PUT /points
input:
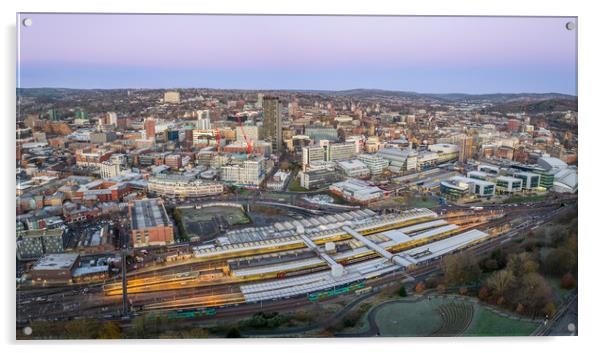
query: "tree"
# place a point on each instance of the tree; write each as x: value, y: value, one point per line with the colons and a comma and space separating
x: 483, y: 293
x: 533, y: 292
x: 420, y: 287
x: 110, y: 330
x: 522, y: 264
x: 568, y: 281
x: 549, y: 309
x: 461, y: 269
x: 233, y: 333
x: 441, y: 289
x: 560, y: 261
x: 402, y: 291
x: 489, y: 265
x: 82, y: 329
x: 500, y: 282
x: 195, y: 332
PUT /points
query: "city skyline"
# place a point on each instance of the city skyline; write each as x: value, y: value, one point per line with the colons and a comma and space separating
x: 462, y: 54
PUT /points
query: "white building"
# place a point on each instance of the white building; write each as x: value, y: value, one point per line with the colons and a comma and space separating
x: 507, y: 184
x: 248, y: 173
x: 375, y: 163
x: 203, y: 119
x: 112, y: 118
x: 354, y: 168
x: 530, y: 180
x: 341, y: 151
x: 109, y: 169
x: 400, y: 160
x: 312, y: 154
x: 182, y: 186
x: 278, y: 180
x: 359, y: 191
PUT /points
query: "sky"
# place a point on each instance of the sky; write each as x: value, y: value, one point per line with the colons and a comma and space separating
x: 421, y: 54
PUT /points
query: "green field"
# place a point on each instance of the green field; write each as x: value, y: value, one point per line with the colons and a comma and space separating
x: 524, y: 198
x: 295, y: 186
x: 488, y: 323
x: 416, y: 202
x: 409, y: 319
x: 422, y: 318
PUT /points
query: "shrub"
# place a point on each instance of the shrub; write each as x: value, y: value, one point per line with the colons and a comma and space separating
x: 568, y: 281
x: 233, y: 333
x: 420, y: 287
x: 402, y: 291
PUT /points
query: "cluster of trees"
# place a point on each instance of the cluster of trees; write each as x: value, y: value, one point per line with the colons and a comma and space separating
x: 520, y: 286
x: 265, y: 320
x: 518, y: 281
x: 75, y: 329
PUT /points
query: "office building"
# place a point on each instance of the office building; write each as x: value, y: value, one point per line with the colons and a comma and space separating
x: 248, y: 173
x: 375, y: 163
x: 340, y: 151
x: 357, y: 191
x: 32, y: 244
x: 55, y: 268
x: 459, y: 186
x: 530, y: 180
x: 311, y: 154
x: 318, y: 178
x: 317, y: 133
x: 400, y: 160
x: 272, y: 122
x: 354, y: 168
x: 149, y: 128
x: 203, y: 119
x: 508, y: 184
x: 182, y: 186
x: 109, y: 169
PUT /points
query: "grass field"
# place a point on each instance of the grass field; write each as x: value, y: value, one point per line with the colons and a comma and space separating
x: 524, y: 198
x: 295, y: 186
x: 409, y: 319
x: 488, y: 323
x: 420, y: 319
x: 416, y: 202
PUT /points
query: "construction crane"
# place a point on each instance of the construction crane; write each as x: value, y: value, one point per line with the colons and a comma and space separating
x: 249, y: 144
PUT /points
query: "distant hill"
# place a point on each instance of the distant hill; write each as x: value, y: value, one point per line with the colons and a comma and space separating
x: 540, y: 106
x: 502, y: 102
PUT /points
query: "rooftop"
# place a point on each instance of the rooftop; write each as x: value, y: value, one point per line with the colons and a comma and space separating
x: 56, y: 262
x: 149, y: 213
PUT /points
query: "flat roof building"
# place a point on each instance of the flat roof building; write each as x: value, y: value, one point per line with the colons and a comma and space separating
x: 508, y: 184
x: 357, y: 191
x: 57, y: 268
x: 150, y: 223
x: 354, y: 168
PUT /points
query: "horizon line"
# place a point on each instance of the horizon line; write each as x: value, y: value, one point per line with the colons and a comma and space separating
x: 296, y: 90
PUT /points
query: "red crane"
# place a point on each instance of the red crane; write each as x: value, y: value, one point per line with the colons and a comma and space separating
x: 249, y: 144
